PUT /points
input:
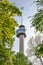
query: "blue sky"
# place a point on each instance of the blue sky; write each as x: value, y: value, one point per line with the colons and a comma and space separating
x: 29, y: 10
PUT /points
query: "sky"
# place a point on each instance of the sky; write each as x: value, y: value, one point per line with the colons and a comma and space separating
x: 29, y: 10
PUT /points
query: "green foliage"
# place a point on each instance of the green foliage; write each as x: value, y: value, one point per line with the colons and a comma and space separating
x: 37, y: 20
x: 6, y: 55
x: 39, y: 50
x: 8, y: 25
x: 21, y: 59
x: 39, y: 3
x: 7, y: 21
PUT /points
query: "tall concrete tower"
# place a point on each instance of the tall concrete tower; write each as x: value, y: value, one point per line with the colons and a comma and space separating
x: 21, y: 34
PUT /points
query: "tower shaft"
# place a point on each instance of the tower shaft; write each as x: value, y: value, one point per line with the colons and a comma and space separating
x: 21, y: 46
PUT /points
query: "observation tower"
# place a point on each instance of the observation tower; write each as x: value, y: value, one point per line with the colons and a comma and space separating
x: 20, y: 33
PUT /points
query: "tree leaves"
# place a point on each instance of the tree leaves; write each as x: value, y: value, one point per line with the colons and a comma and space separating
x: 39, y: 2
x: 7, y: 22
x: 38, y: 21
x: 8, y: 25
x: 21, y: 59
x: 39, y: 50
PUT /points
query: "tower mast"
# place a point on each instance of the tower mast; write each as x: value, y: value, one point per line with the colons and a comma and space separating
x: 22, y: 8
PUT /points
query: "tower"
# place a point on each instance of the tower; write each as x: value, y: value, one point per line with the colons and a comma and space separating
x: 20, y: 33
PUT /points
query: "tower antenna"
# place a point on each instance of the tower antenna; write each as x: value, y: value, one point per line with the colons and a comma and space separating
x: 22, y: 8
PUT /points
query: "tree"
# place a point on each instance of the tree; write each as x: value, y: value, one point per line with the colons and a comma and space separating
x: 6, y: 56
x: 39, y: 52
x: 8, y: 25
x: 35, y: 48
x: 37, y: 20
x: 21, y: 59
x: 7, y: 22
